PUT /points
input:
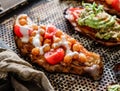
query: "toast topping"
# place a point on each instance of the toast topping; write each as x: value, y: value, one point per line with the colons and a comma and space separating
x: 65, y: 44
x: 48, y: 39
x: 72, y: 49
x: 38, y: 39
x: 105, y: 26
x: 95, y: 17
x: 54, y: 56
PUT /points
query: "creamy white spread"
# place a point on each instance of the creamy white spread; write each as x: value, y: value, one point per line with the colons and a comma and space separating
x: 42, y: 48
x: 36, y: 39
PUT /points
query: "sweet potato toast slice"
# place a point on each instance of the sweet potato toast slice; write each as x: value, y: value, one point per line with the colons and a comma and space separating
x: 93, y: 21
x: 54, y: 50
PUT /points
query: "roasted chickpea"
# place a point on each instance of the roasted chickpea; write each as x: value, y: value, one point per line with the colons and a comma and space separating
x: 58, y: 33
x: 68, y: 59
x: 35, y: 51
x: 56, y: 40
x: 109, y: 1
x: 35, y: 27
x: 72, y: 40
x: 54, y: 47
x: 82, y: 58
x: 76, y: 56
x: 23, y: 17
x: 48, y: 41
x: 33, y: 33
x: 42, y: 32
x: 43, y: 27
x: 23, y: 22
x: 46, y: 49
x: 76, y: 47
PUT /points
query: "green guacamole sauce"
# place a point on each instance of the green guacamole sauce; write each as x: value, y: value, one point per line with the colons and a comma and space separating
x: 105, y: 25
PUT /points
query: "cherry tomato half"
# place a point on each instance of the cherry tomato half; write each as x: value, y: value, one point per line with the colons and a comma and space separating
x: 17, y: 31
x: 74, y: 12
x: 74, y: 9
x: 116, y: 5
x: 51, y: 30
x: 54, y: 57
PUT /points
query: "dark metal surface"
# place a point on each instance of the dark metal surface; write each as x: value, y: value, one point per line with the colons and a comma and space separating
x: 10, y: 5
x: 44, y: 12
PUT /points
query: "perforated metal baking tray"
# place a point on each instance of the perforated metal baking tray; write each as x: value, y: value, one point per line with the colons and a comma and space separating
x: 44, y: 12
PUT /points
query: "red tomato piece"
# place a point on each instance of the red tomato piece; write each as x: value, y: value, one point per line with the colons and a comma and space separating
x: 51, y: 30
x: 74, y: 12
x: 74, y: 15
x: 116, y: 5
x: 17, y: 31
x: 73, y: 9
x: 54, y: 57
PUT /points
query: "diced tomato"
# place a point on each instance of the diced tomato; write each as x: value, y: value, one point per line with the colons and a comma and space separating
x: 116, y: 5
x: 73, y: 9
x: 51, y: 30
x: 74, y: 15
x: 17, y: 31
x: 74, y: 12
x: 54, y: 57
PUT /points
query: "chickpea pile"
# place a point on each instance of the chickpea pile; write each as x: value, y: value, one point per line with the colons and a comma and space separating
x: 36, y: 51
x: 75, y: 47
x: 73, y: 44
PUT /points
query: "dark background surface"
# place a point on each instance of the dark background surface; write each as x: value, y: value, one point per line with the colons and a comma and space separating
x: 10, y: 5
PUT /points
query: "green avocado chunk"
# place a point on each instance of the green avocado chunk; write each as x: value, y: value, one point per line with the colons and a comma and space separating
x: 96, y: 23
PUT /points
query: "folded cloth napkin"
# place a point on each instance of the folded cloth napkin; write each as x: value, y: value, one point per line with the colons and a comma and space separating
x: 10, y: 62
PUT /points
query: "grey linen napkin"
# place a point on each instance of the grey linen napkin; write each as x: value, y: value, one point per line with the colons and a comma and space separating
x: 10, y: 62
